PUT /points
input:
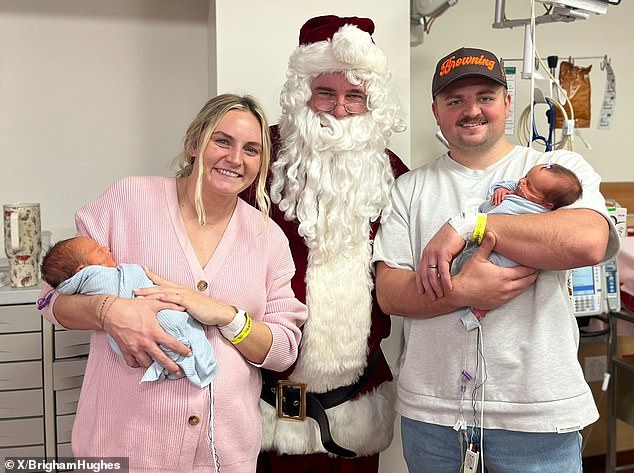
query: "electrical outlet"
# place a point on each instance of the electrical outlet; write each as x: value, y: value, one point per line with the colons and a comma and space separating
x: 594, y: 367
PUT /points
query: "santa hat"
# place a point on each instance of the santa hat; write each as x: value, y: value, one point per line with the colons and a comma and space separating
x: 330, y: 44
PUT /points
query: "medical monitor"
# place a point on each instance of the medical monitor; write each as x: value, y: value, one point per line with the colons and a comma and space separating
x: 595, y: 289
x: 587, y: 290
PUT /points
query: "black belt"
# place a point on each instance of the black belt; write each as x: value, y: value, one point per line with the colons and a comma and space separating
x: 293, y: 402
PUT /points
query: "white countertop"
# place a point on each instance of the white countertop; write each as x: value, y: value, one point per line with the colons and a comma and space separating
x: 19, y: 295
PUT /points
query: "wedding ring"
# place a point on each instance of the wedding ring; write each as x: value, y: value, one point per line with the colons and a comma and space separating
x: 432, y: 266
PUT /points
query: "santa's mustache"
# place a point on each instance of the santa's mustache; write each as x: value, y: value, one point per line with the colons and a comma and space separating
x: 347, y: 134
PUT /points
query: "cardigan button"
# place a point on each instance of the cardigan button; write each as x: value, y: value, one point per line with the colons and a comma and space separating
x: 193, y: 420
x: 202, y: 285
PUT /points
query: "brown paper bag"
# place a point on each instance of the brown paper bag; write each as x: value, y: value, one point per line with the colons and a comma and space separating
x: 576, y: 82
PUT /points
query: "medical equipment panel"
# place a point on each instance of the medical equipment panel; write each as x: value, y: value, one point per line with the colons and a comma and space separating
x: 595, y: 289
x: 587, y: 290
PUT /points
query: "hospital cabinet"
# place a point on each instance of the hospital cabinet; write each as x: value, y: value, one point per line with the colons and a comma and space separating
x: 41, y: 372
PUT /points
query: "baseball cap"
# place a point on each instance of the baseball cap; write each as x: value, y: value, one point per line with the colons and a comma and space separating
x: 466, y: 62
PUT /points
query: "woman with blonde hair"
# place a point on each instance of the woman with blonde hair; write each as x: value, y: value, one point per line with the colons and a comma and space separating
x: 224, y: 263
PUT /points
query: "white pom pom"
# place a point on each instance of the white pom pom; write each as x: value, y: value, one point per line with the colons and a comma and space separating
x: 349, y: 49
x: 351, y: 45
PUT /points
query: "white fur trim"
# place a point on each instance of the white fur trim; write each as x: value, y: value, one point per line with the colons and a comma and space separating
x: 351, y: 45
x: 365, y: 426
x: 334, y: 345
x: 349, y: 49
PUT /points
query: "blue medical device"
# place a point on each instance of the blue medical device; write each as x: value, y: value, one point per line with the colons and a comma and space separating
x: 595, y: 289
x: 546, y: 141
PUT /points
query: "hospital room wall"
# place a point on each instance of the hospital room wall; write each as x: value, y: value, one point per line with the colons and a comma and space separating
x: 141, y: 68
x: 470, y: 24
x: 92, y: 91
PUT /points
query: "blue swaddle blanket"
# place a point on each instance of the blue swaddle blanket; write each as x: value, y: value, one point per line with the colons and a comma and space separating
x: 200, y: 368
x: 511, y: 205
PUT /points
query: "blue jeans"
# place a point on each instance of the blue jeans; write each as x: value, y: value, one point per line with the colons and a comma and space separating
x: 430, y: 448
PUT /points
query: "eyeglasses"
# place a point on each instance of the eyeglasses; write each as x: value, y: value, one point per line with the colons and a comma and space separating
x: 354, y: 106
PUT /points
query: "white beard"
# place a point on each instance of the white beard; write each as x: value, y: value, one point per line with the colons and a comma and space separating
x: 334, y: 345
x: 334, y: 176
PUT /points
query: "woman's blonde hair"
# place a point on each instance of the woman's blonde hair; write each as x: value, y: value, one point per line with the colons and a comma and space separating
x: 199, y: 133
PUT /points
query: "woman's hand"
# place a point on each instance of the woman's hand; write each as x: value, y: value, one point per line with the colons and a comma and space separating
x: 206, y: 310
x: 133, y: 325
x: 203, y: 308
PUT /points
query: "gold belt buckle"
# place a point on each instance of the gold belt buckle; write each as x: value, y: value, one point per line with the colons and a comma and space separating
x: 291, y: 400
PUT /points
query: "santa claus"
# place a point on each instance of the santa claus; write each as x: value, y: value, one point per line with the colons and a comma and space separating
x: 331, y: 179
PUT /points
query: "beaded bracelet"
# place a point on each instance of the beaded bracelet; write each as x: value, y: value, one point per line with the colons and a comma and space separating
x: 103, y: 310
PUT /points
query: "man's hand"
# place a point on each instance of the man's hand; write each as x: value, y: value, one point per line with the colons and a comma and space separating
x: 487, y: 286
x: 133, y: 325
x: 433, y: 272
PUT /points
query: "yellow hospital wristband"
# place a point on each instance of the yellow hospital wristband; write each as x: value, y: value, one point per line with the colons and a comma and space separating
x: 478, y: 230
x: 246, y: 330
x: 239, y: 328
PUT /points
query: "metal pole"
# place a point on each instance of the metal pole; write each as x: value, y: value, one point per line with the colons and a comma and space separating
x: 610, y: 456
x: 499, y: 10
